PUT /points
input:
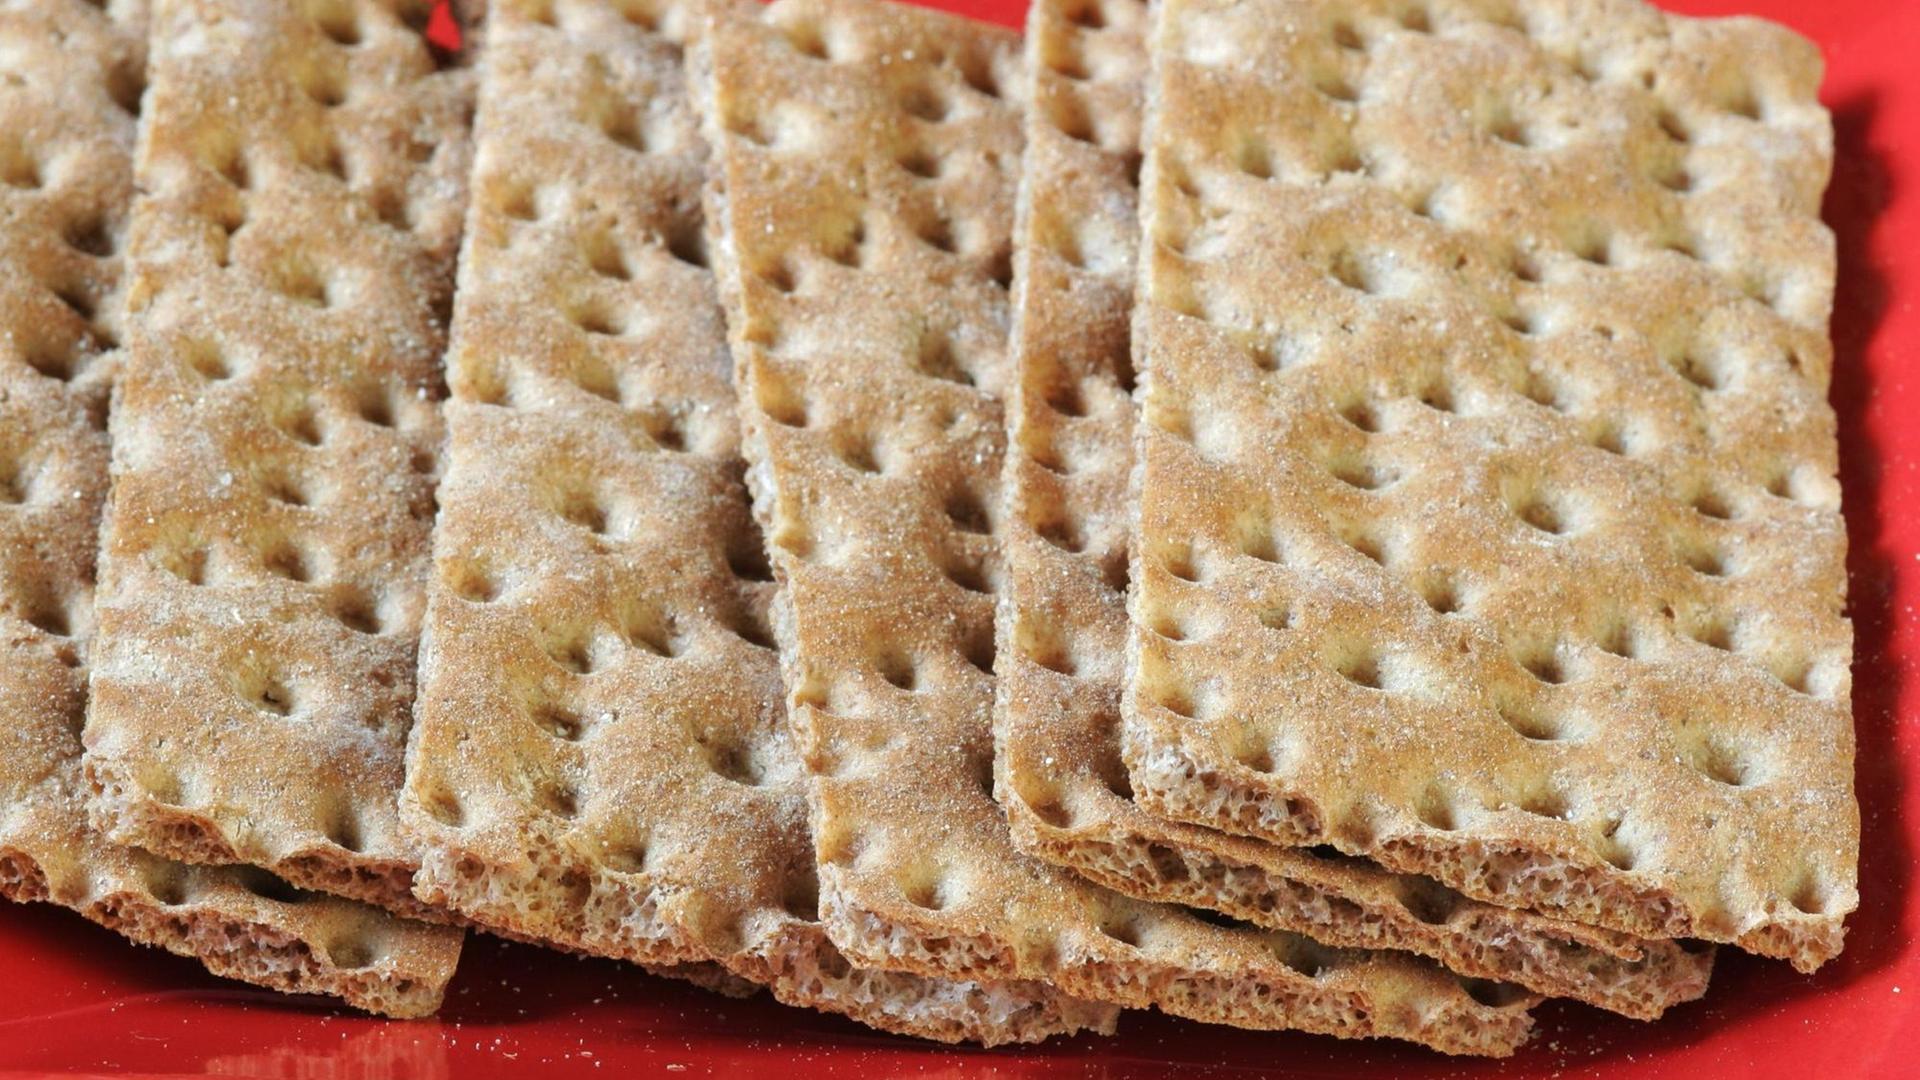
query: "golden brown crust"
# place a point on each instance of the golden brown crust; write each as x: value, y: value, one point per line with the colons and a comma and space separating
x: 1487, y: 516
x: 264, y: 552
x: 73, y: 73
x: 861, y: 214
x: 600, y: 758
x: 1062, y: 620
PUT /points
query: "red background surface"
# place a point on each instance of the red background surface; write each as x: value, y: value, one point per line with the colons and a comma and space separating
x: 76, y: 1000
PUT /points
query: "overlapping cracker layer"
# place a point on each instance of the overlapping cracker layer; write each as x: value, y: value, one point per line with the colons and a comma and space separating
x: 68, y: 109
x: 1488, y: 525
x: 1063, y: 621
x: 601, y: 760
x: 863, y: 205
x: 264, y: 557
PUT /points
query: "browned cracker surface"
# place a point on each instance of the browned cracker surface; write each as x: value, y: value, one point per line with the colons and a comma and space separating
x: 264, y: 556
x: 862, y: 208
x: 1062, y: 618
x: 1487, y: 518
x: 70, y: 78
x: 600, y: 759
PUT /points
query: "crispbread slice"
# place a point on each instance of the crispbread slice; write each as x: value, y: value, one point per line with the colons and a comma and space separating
x: 600, y: 759
x: 72, y: 73
x: 861, y: 207
x: 264, y: 556
x: 1062, y: 616
x: 1487, y: 516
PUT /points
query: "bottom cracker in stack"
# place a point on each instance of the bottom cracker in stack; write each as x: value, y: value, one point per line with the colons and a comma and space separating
x: 600, y: 760
x: 863, y: 195
x: 1063, y: 619
x: 68, y: 67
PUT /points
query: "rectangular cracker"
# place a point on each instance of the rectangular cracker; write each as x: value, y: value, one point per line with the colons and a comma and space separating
x: 1486, y: 482
x: 599, y: 758
x: 264, y: 556
x: 861, y: 207
x: 1062, y: 619
x: 72, y: 76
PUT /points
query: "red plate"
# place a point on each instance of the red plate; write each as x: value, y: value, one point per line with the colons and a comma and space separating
x: 82, y: 1002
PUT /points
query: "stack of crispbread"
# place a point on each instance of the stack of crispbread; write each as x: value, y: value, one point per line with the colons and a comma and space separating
x: 1485, y: 519
x: 1064, y: 622
x: 1310, y: 514
x: 600, y: 760
x: 69, y: 258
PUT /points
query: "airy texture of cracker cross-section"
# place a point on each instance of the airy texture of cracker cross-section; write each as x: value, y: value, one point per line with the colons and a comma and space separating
x: 1063, y: 621
x: 72, y: 77
x: 239, y: 921
x: 264, y: 555
x: 1487, y: 518
x: 862, y: 211
x: 600, y: 758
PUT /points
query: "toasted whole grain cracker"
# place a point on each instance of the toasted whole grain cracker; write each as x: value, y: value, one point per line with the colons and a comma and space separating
x: 600, y: 758
x: 302, y: 170
x: 861, y: 207
x: 1487, y: 515
x: 72, y: 76
x: 1062, y: 618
